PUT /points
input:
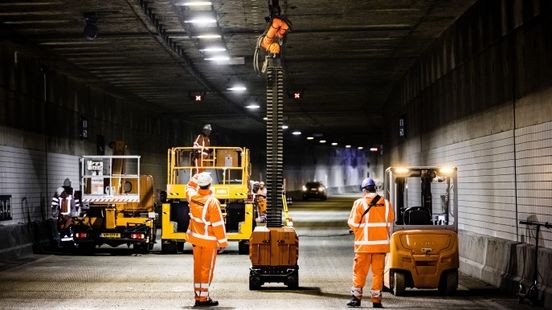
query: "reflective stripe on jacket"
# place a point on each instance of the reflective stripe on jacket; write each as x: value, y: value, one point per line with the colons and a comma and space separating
x: 372, y: 230
x: 65, y: 206
x: 202, y: 143
x: 206, y: 226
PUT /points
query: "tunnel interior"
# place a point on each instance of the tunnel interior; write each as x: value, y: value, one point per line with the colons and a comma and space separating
x: 367, y: 85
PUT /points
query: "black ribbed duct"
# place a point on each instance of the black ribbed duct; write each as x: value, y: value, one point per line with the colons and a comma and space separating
x: 274, y: 141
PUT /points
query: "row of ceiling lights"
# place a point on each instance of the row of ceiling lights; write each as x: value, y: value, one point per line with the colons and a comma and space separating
x: 217, y: 53
x: 216, y: 56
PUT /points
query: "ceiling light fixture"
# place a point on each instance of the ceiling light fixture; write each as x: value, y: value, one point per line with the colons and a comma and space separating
x: 213, y: 49
x: 220, y: 58
x: 322, y: 141
x: 208, y: 36
x: 237, y: 88
x: 334, y: 143
x: 252, y: 106
x: 310, y: 138
x: 348, y: 146
x: 360, y: 147
x: 201, y: 21
x: 265, y: 118
x: 296, y: 133
x: 193, y: 3
x: 373, y: 149
x: 285, y: 127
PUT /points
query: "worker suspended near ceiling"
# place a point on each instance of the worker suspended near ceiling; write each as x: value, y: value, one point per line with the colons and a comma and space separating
x: 206, y: 233
x: 201, y: 145
x: 370, y: 220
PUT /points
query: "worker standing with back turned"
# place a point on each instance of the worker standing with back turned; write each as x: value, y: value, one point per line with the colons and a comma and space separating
x: 370, y: 220
x: 206, y: 233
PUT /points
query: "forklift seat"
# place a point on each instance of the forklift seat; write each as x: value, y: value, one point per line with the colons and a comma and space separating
x: 417, y: 216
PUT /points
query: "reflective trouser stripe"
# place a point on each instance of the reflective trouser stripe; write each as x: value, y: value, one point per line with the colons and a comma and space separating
x: 204, y: 266
x: 361, y: 265
x: 357, y: 292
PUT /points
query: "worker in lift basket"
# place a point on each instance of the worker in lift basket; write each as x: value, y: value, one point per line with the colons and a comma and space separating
x: 201, y: 147
x: 370, y: 220
x: 206, y: 233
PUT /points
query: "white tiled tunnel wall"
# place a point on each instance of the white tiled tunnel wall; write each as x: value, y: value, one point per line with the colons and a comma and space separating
x: 23, y: 176
x: 487, y: 182
x: 534, y: 175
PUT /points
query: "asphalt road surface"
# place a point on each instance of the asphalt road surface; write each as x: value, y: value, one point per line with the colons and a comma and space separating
x: 120, y: 279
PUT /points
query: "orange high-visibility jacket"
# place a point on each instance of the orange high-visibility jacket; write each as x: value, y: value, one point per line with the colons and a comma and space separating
x: 371, y: 231
x: 206, y: 226
x: 202, y: 143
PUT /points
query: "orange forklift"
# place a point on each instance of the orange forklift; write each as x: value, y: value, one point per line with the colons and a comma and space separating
x: 424, y: 240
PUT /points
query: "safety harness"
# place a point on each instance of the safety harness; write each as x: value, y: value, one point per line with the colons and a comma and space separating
x: 372, y: 203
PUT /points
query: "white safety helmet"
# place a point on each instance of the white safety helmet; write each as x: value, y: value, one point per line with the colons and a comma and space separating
x: 59, y: 190
x: 204, y: 179
x: 261, y: 183
x: 207, y: 127
x: 67, y: 182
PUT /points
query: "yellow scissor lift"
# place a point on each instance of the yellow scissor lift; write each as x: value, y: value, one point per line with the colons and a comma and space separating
x: 230, y: 169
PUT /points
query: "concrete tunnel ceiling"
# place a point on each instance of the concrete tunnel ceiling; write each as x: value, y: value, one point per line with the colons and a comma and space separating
x: 345, y: 55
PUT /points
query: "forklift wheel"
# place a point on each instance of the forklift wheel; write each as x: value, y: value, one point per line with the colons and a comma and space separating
x: 243, y: 247
x: 399, y: 283
x: 254, y: 283
x: 448, y: 283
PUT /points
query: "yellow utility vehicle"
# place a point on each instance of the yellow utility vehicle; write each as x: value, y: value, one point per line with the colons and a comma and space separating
x: 117, y: 204
x: 230, y: 169
x: 424, y: 239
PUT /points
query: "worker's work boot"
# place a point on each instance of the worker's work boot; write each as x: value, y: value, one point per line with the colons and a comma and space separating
x: 208, y: 303
x: 377, y: 305
x: 355, y: 302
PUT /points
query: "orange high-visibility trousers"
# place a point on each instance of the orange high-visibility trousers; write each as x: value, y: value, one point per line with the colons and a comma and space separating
x: 361, y: 266
x: 204, y: 266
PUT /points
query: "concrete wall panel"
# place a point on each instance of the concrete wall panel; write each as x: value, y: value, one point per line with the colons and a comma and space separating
x: 488, y: 110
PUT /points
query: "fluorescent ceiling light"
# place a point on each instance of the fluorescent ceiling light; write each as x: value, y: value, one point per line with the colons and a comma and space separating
x: 334, y: 143
x: 208, y: 36
x: 296, y: 133
x: 285, y: 126
x: 360, y: 147
x: 193, y: 3
x: 213, y: 49
x: 220, y: 58
x: 237, y: 88
x: 310, y: 138
x: 373, y: 149
x: 348, y: 146
x: 265, y: 118
x: 322, y: 141
x: 201, y: 20
x: 252, y: 106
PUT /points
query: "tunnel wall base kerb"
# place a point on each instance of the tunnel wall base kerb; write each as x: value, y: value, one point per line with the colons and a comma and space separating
x: 504, y: 263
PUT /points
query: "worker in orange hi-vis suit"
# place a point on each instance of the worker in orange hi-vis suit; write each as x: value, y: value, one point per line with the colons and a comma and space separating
x: 260, y: 198
x: 201, y: 148
x: 206, y: 233
x: 370, y: 220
